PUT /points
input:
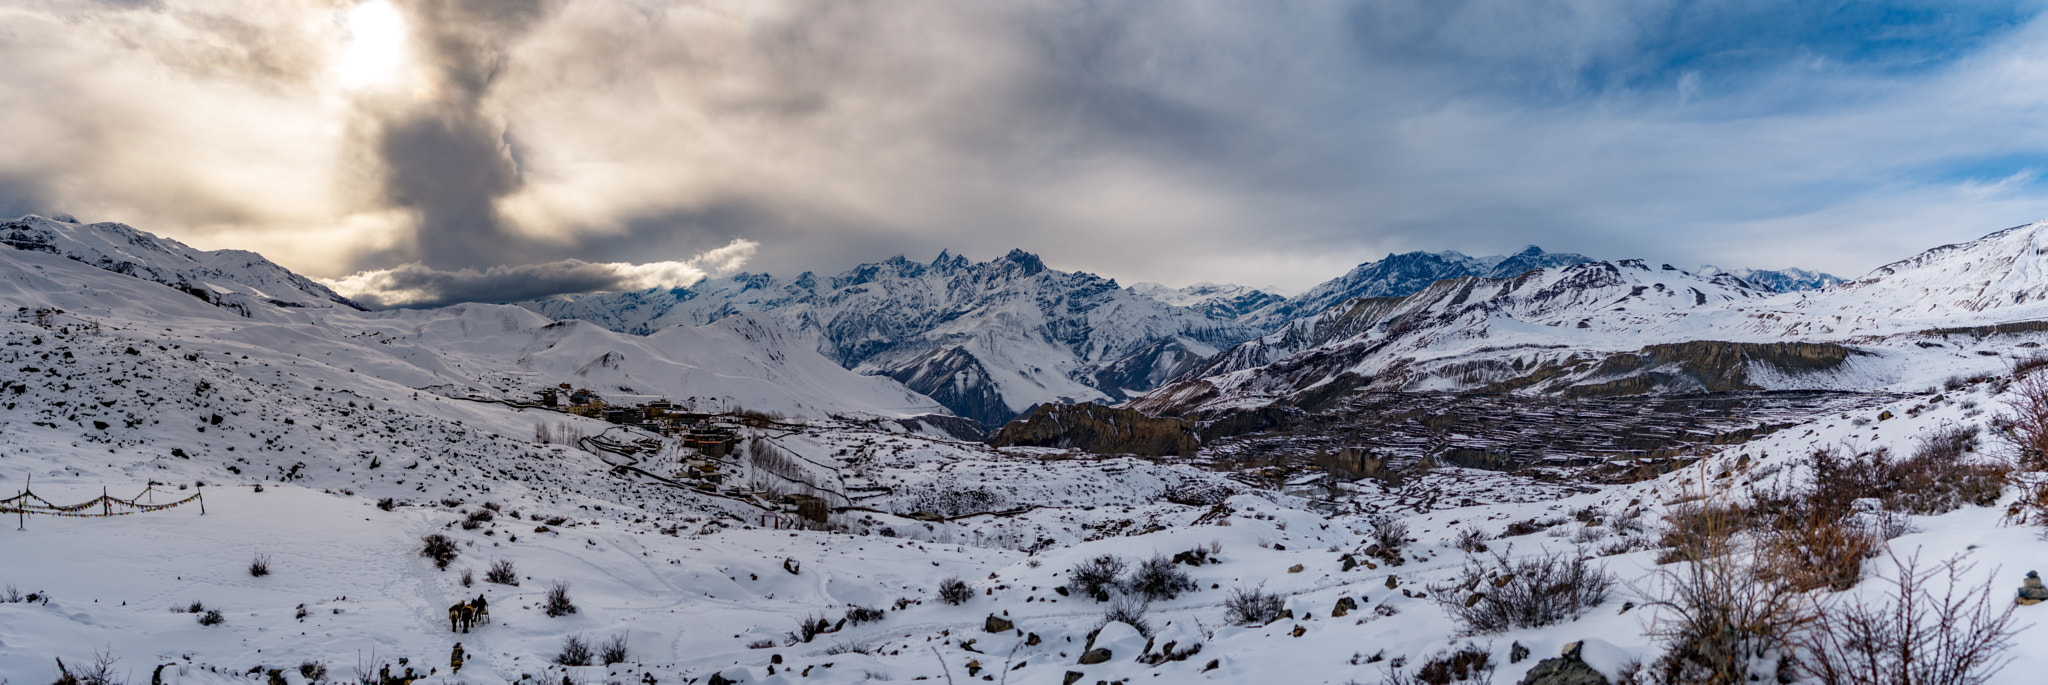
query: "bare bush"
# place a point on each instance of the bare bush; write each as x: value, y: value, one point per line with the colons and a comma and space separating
x: 313, y: 671
x: 1467, y: 664
x: 575, y: 652
x: 1809, y: 550
x: 1388, y: 533
x: 558, y: 604
x: 857, y: 614
x: 1722, y: 624
x: 809, y: 627
x: 1096, y: 577
x: 502, y: 573
x: 1128, y: 611
x: 1253, y: 606
x: 1471, y: 540
x: 99, y: 671
x: 440, y: 548
x: 212, y: 617
x: 1531, y: 592
x: 2026, y: 437
x: 1934, y: 629
x: 1159, y: 578
x: 613, y: 650
x: 955, y: 591
x: 260, y: 566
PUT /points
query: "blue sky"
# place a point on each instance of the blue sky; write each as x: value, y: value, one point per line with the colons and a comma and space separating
x: 1166, y: 140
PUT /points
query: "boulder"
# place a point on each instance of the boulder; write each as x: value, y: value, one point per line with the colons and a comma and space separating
x: 997, y: 624
x: 1565, y: 669
x: 1095, y: 656
x: 1345, y: 605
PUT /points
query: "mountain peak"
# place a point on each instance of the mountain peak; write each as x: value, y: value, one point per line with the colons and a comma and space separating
x: 1030, y: 263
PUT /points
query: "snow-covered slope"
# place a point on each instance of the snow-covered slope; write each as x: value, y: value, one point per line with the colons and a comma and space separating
x: 231, y: 278
x: 987, y: 339
x: 480, y: 351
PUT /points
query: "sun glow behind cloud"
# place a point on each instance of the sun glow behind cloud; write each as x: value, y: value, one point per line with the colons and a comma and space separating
x: 376, y: 45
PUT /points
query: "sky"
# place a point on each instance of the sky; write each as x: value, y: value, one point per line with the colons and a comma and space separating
x: 431, y: 151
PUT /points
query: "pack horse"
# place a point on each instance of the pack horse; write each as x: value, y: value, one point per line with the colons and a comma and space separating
x: 468, y: 613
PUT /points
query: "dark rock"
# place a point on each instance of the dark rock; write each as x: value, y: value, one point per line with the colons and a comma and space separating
x: 1566, y: 669
x: 1345, y: 605
x: 1072, y: 677
x: 1095, y: 656
x: 997, y: 624
x: 1516, y: 653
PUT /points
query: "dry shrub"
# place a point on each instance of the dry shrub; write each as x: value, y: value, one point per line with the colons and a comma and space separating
x: 1812, y: 552
x: 857, y: 614
x: 575, y: 652
x: 1939, y: 633
x: 440, y: 548
x: 1935, y: 480
x: 2026, y: 433
x: 954, y: 591
x: 1469, y: 664
x: 1253, y: 606
x: 613, y: 650
x: 558, y: 604
x: 1159, y: 578
x: 1389, y: 534
x: 1531, y: 592
x: 1722, y: 624
x: 1096, y: 577
x: 1691, y: 529
x: 810, y: 627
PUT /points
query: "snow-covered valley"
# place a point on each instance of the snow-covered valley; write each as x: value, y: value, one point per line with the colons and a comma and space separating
x: 387, y: 465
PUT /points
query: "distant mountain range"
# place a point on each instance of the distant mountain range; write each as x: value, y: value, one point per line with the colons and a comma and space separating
x: 992, y: 339
x: 988, y: 340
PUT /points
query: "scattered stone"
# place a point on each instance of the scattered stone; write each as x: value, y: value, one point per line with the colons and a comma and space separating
x: 1297, y: 568
x: 1517, y: 653
x: 1348, y: 562
x: 1300, y: 631
x: 997, y: 624
x: 1072, y: 677
x: 1625, y: 606
x: 720, y: 679
x: 1213, y: 665
x: 1031, y: 640
x: 1474, y: 599
x: 791, y: 566
x: 1095, y: 656
x: 1393, y: 581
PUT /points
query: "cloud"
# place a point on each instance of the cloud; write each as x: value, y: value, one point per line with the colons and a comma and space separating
x: 1165, y: 141
x: 418, y: 285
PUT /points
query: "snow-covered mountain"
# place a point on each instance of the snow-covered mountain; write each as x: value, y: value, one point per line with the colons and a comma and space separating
x: 987, y: 339
x: 229, y: 278
x: 1218, y: 300
x: 116, y: 277
x: 1405, y: 274
x: 1605, y: 328
x: 1778, y: 280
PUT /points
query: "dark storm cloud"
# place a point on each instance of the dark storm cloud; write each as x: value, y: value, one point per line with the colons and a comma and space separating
x: 447, y: 157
